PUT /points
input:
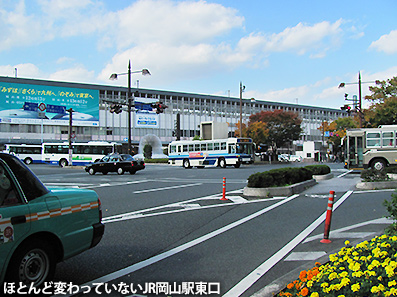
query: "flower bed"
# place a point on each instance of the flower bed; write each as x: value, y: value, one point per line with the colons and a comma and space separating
x: 368, y: 269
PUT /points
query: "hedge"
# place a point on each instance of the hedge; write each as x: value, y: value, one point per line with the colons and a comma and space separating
x: 285, y: 176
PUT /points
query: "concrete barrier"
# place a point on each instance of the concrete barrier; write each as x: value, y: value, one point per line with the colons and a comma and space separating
x: 377, y: 185
x: 323, y: 176
x: 279, y: 191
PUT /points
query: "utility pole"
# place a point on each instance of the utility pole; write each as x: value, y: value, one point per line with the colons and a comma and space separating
x: 70, y: 111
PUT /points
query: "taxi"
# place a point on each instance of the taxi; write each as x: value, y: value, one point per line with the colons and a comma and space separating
x: 40, y: 227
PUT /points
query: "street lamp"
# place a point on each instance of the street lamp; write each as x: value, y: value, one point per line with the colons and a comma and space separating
x: 114, y: 76
x: 342, y: 85
x: 242, y: 88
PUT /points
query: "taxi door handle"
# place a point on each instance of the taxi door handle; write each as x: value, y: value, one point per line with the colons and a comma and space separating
x: 18, y: 220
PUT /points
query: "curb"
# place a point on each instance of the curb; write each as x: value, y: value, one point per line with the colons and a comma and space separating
x: 279, y: 191
x: 377, y: 185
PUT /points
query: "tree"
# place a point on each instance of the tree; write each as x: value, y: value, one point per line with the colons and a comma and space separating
x: 275, y: 128
x: 337, y: 130
x: 147, y: 151
x: 383, y: 110
x: 383, y: 90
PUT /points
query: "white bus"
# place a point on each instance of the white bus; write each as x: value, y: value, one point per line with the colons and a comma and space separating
x: 83, y: 153
x: 28, y: 153
x: 371, y: 147
x: 218, y: 152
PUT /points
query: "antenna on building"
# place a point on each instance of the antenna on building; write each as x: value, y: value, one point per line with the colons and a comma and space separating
x: 16, y: 72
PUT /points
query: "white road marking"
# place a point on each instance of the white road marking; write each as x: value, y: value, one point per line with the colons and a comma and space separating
x: 305, y: 256
x: 262, y: 269
x: 339, y: 231
x: 166, y: 188
x: 183, y: 247
x: 343, y: 174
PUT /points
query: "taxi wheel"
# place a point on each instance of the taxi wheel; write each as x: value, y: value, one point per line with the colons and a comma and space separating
x: 120, y: 171
x: 132, y: 172
x: 33, y: 262
x: 91, y: 171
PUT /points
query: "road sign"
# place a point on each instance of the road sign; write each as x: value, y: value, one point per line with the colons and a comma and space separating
x: 30, y: 106
x: 41, y: 114
x: 42, y: 107
x: 143, y: 106
x: 56, y: 109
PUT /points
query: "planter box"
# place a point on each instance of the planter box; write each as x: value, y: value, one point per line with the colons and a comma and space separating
x: 279, y: 191
x: 323, y: 176
x: 377, y: 185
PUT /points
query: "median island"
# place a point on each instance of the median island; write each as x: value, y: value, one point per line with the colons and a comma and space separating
x: 284, y: 181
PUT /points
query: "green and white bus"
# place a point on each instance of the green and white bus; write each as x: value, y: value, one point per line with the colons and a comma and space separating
x: 371, y: 147
x: 83, y: 153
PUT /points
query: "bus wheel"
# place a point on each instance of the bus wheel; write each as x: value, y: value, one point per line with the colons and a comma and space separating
x: 378, y: 164
x: 186, y: 164
x: 28, y: 161
x: 63, y: 162
x: 222, y: 163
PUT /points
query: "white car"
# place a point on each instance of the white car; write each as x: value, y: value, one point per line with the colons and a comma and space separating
x: 295, y: 158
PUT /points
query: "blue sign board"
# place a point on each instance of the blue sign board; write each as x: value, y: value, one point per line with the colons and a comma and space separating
x: 56, y: 109
x: 30, y: 106
x: 143, y: 106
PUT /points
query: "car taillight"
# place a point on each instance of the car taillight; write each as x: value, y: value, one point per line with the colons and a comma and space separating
x: 100, y: 210
x: 132, y: 163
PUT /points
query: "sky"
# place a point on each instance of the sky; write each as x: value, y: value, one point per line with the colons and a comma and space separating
x: 286, y: 51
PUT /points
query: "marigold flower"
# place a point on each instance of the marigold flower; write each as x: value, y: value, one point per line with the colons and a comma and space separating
x: 290, y: 286
x: 355, y: 287
x: 314, y: 294
x: 392, y: 283
x: 347, y: 242
x: 304, y: 291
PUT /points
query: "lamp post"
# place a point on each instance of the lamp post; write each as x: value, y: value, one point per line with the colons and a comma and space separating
x: 242, y: 88
x: 129, y: 99
x: 342, y: 85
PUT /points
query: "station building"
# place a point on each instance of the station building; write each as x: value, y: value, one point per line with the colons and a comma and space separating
x: 34, y: 111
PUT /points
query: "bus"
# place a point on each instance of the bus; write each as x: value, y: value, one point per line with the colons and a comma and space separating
x: 83, y: 153
x: 28, y: 153
x: 371, y: 147
x: 218, y: 152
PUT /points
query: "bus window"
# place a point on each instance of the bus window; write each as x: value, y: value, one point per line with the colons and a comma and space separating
x: 232, y: 149
x: 216, y: 146
x: 203, y: 146
x: 191, y: 147
x: 197, y: 147
x: 387, y: 139
x: 210, y: 146
x: 173, y: 149
x: 373, y: 139
x: 185, y: 148
x: 223, y: 146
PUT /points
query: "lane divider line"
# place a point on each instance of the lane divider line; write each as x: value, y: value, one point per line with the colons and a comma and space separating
x: 166, y: 188
x: 262, y: 269
x: 137, y: 266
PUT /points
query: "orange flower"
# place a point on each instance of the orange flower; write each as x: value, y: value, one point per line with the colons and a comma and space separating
x: 304, y: 291
x: 290, y: 286
x: 302, y: 275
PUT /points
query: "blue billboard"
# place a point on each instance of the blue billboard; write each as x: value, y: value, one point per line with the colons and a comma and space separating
x: 18, y: 105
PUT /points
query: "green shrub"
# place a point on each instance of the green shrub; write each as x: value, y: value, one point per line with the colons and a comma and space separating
x: 391, y: 207
x: 279, y: 177
x: 162, y: 160
x: 318, y: 169
x: 372, y: 175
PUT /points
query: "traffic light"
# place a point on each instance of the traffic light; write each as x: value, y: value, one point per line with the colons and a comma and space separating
x: 347, y: 108
x: 115, y: 108
x: 159, y: 106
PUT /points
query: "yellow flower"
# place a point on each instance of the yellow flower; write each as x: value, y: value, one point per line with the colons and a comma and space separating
x: 309, y: 284
x: 355, y: 287
x: 314, y: 294
x: 375, y: 289
x: 324, y: 285
x: 392, y: 283
x: 345, y: 281
x: 332, y: 276
x: 347, y: 242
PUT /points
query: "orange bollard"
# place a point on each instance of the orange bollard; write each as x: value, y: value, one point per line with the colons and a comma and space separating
x: 224, y: 189
x: 328, y: 218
